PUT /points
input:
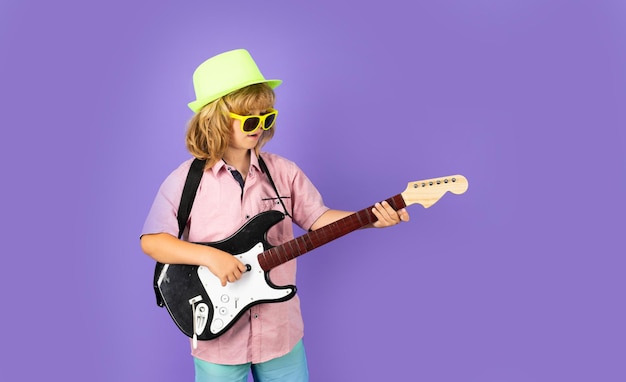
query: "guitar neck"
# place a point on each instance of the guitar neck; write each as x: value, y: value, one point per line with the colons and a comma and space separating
x: 291, y: 249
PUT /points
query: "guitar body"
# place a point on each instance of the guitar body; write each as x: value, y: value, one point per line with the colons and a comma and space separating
x: 197, y: 301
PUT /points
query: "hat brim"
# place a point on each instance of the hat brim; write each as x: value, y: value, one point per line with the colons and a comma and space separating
x: 198, y: 104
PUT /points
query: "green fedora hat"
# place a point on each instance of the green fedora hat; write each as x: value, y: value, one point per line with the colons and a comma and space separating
x: 223, y: 74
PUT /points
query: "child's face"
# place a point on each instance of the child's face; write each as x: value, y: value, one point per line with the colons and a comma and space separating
x: 242, y: 140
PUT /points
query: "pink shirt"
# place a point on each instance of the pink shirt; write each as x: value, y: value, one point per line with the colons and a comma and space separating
x: 266, y: 331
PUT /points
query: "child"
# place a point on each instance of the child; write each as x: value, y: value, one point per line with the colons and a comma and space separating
x: 234, y: 118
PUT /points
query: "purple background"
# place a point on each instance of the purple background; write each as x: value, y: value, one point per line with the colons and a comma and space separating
x: 521, y: 279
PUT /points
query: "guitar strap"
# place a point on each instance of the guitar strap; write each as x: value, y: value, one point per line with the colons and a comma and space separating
x: 186, y: 202
x: 184, y: 209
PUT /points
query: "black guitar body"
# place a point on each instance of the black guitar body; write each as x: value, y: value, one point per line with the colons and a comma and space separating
x: 195, y: 298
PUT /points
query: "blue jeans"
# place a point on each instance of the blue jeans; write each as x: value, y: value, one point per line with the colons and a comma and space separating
x: 292, y: 367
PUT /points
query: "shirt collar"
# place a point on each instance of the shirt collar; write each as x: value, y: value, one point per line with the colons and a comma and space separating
x: 254, y: 163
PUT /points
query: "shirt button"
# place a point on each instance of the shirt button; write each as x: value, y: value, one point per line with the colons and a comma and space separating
x: 256, y: 316
x: 247, y: 216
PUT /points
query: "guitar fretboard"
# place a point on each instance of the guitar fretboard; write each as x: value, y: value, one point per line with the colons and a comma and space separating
x: 291, y: 249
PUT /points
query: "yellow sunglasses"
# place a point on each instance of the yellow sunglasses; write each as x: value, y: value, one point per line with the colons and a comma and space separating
x: 249, y: 123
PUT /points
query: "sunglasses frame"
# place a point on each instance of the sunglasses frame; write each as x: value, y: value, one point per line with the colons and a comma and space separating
x: 244, y: 118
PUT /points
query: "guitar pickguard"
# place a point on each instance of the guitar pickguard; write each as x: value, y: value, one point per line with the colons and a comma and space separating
x: 230, y: 301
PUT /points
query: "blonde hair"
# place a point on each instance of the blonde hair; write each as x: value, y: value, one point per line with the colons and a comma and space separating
x: 209, y: 131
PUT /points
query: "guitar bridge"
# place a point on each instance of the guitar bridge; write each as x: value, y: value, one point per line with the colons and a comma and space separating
x: 200, y: 318
x: 200, y: 314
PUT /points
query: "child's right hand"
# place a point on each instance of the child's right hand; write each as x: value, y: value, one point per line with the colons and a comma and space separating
x: 225, y: 266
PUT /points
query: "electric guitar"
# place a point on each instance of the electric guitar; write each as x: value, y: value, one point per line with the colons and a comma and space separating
x: 203, y: 309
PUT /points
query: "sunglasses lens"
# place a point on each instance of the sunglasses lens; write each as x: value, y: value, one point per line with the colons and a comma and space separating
x: 269, y: 121
x: 250, y: 124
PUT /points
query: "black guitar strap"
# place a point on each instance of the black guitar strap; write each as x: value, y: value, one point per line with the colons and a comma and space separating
x: 189, y: 193
x: 184, y: 209
x: 186, y: 202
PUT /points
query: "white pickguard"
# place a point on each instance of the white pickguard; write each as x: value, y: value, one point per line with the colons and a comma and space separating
x: 228, y: 301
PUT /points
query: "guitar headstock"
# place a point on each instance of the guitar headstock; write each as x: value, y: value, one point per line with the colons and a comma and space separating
x: 427, y: 192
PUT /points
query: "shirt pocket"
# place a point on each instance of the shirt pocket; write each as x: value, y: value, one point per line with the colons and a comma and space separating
x: 268, y: 203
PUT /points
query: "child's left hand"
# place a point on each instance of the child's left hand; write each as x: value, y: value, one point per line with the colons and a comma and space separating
x: 387, y: 216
